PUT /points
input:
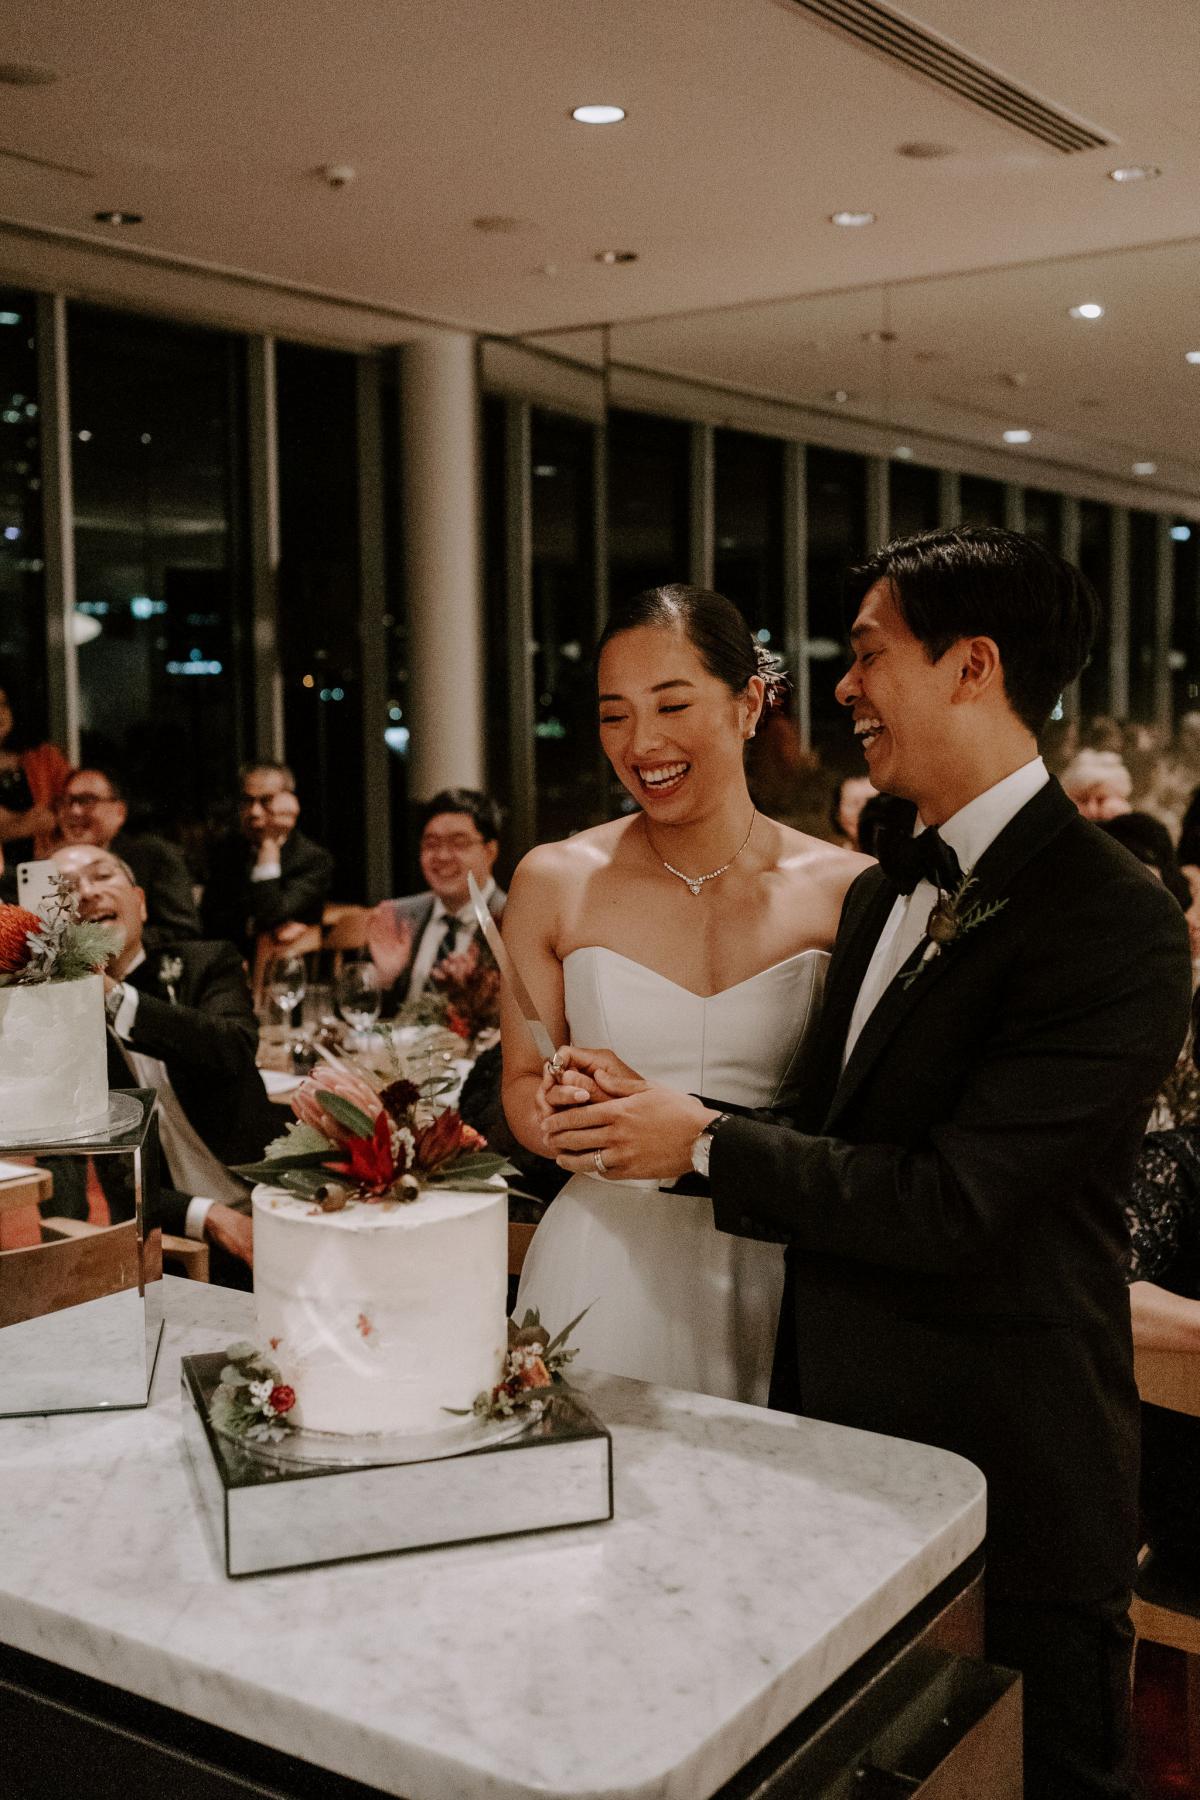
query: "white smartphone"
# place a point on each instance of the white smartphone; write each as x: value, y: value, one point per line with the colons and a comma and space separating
x: 35, y: 885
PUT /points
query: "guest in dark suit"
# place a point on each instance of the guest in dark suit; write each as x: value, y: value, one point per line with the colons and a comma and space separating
x: 93, y: 809
x: 977, y: 1092
x: 460, y: 836
x: 181, y: 1022
x: 267, y: 876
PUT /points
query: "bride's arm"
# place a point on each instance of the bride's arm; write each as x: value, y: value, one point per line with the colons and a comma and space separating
x: 530, y: 925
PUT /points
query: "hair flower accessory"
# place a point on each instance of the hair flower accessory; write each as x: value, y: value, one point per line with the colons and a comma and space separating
x: 949, y: 920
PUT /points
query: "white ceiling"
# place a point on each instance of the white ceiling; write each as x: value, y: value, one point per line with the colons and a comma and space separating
x: 748, y: 124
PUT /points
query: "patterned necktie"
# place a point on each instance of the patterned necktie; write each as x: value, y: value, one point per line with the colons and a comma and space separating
x: 906, y: 860
x: 446, y: 947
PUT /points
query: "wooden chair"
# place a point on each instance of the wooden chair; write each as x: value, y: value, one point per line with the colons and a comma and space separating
x: 345, y: 932
x: 20, y: 1194
x: 1161, y: 1614
x: 181, y: 1255
x: 308, y: 944
x: 519, y: 1239
x: 65, y: 1271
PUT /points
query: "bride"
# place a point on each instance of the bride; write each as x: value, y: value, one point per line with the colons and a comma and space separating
x: 690, y: 939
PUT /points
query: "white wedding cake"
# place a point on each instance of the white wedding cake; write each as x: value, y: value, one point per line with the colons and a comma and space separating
x: 53, y: 1060
x: 385, y: 1314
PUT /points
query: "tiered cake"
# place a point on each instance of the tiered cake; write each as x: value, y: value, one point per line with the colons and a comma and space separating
x: 53, y: 1060
x: 385, y: 1314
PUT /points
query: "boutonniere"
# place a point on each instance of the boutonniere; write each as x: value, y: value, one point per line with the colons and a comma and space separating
x: 170, y: 968
x: 949, y: 919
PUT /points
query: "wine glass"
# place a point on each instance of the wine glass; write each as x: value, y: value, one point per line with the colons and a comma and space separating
x: 358, y: 995
x: 286, y: 983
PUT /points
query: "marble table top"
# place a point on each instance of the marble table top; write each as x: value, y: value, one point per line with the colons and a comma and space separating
x: 753, y: 1558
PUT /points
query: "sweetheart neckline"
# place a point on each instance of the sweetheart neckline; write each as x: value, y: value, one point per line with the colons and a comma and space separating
x: 659, y: 976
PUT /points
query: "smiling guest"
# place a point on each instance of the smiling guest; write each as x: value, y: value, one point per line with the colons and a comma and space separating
x: 92, y: 809
x: 460, y: 837
x: 181, y: 1021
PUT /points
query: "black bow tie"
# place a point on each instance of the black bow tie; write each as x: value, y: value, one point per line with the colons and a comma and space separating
x: 906, y: 860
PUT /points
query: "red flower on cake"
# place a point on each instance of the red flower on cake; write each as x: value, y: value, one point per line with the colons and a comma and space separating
x: 364, y: 1326
x: 16, y: 922
x: 281, y: 1399
x: 347, y: 1085
x: 445, y: 1138
x: 369, y: 1160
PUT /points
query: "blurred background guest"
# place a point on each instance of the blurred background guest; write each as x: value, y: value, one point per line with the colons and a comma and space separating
x: 93, y: 809
x: 32, y: 777
x: 266, y: 876
x: 845, y: 808
x: 460, y: 837
x: 1099, y: 784
x: 181, y: 1022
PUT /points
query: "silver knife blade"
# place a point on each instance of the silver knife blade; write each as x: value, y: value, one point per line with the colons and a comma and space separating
x: 543, y: 1042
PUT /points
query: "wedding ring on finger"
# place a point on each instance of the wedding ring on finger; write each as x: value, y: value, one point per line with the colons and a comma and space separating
x: 598, y: 1159
x: 555, y: 1067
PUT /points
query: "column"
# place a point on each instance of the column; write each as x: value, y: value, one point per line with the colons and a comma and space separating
x: 439, y: 437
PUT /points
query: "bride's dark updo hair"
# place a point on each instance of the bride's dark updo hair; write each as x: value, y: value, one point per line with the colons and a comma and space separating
x: 714, y: 628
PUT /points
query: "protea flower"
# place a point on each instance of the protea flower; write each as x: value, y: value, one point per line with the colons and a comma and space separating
x: 16, y: 922
x: 371, y: 1161
x: 443, y: 1140
x: 335, y: 1078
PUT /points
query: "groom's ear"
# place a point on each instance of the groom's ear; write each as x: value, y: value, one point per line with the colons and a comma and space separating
x: 978, y: 668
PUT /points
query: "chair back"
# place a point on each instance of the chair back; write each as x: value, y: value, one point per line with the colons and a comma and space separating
x: 345, y: 931
x: 47, y: 1278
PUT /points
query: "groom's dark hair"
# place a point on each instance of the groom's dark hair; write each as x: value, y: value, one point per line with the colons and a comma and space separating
x: 980, y: 581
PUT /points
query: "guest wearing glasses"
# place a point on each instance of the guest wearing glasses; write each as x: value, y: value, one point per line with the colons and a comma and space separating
x: 92, y: 810
x: 266, y: 876
x: 460, y: 836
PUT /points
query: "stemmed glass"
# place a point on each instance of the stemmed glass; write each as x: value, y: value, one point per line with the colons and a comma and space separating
x: 358, y: 995
x: 286, y: 984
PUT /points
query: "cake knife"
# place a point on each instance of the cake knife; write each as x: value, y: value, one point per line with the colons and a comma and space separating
x: 543, y: 1042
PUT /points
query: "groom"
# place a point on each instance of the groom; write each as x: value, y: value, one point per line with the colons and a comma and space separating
x: 977, y: 1092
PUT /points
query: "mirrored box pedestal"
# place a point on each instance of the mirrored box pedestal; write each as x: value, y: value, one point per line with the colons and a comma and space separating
x: 268, y: 1515
x: 81, y: 1316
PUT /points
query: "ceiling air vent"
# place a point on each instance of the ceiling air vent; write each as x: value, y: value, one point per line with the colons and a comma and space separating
x: 937, y: 59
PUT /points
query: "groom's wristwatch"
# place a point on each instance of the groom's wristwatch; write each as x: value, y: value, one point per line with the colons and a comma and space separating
x: 702, y: 1147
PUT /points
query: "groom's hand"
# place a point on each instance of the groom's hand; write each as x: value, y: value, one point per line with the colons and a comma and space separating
x: 640, y: 1131
x: 575, y: 1082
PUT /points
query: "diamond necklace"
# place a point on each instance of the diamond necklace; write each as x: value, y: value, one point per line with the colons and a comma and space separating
x: 696, y: 882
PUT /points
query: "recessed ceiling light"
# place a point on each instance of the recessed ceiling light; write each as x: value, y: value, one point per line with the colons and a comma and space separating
x: 902, y: 453
x: 852, y: 218
x: 1192, y: 356
x: 839, y: 396
x: 1017, y: 436
x: 117, y: 218
x: 1091, y: 309
x: 598, y: 115
x: 615, y: 256
x: 1181, y: 533
x: 1145, y: 468
x: 1135, y: 172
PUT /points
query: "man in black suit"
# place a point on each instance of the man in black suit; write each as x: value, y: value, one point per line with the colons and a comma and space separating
x: 977, y: 1090
x: 92, y: 809
x: 266, y: 876
x: 181, y: 1022
x: 460, y: 836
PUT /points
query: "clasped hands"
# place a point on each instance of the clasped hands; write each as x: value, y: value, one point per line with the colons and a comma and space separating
x: 593, y: 1102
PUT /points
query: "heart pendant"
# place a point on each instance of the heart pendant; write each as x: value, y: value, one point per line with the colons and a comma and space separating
x: 695, y: 886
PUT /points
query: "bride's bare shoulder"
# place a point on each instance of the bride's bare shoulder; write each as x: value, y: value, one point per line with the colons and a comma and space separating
x: 571, y: 860
x: 812, y: 859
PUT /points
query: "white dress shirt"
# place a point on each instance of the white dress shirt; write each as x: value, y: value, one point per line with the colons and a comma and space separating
x: 431, y: 938
x: 969, y: 833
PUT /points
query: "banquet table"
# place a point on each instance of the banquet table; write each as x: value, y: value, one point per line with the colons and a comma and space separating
x: 763, y: 1580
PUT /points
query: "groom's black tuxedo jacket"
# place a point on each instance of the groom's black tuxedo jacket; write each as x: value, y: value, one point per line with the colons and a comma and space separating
x: 952, y: 1198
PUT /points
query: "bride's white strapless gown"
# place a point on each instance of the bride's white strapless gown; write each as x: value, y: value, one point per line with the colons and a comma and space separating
x: 671, y: 1298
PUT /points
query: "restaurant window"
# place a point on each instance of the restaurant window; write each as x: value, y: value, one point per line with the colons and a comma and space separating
x: 648, y: 502
x: 317, y: 401
x: 162, y: 590
x: 569, y: 783
x: 837, y: 528
x: 981, y: 501
x: 497, y: 720
x: 1143, y: 583
x: 22, y: 575
x: 1185, y: 619
x: 913, y: 503
x: 1095, y: 560
x: 748, y: 529
x: 1043, y: 518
